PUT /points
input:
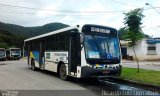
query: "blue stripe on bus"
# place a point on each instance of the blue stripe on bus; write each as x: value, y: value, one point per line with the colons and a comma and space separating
x: 36, y: 55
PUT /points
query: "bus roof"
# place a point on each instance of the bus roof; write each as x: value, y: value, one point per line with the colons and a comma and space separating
x: 51, y: 33
x: 14, y: 48
x: 62, y: 30
x: 2, y: 48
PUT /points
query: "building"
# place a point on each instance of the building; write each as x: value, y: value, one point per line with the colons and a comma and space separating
x: 146, y: 49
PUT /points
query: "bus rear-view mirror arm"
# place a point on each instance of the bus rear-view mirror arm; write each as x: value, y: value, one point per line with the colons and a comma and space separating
x: 82, y: 37
x: 82, y: 40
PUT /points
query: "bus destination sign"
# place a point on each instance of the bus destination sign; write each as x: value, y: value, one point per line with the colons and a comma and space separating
x: 97, y: 29
x: 102, y: 30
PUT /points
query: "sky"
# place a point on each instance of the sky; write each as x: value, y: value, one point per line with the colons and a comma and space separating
x: 78, y: 12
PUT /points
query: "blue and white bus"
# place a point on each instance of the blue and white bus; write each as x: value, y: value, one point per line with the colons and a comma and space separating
x: 80, y: 51
x: 2, y: 54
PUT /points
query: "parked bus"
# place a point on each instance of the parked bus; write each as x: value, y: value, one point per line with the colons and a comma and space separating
x: 2, y: 54
x: 80, y: 51
x: 13, y: 53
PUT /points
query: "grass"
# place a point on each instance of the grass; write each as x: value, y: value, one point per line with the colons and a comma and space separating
x: 144, y: 76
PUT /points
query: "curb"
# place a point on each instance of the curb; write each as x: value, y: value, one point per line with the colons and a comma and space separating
x: 145, y: 85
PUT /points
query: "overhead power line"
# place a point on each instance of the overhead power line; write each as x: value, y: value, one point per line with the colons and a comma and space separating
x: 57, y: 15
x: 76, y: 13
x: 31, y: 13
x: 63, y: 14
x: 123, y: 3
x: 153, y: 27
x: 67, y: 11
x: 152, y: 7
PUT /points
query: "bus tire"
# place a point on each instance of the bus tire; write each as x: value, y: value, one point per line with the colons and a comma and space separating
x: 63, y: 72
x: 33, y: 65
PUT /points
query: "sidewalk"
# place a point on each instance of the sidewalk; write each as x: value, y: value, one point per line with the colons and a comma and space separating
x: 150, y: 65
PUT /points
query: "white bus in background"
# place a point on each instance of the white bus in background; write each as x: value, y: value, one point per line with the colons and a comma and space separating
x: 13, y: 54
x: 80, y: 51
x: 2, y: 54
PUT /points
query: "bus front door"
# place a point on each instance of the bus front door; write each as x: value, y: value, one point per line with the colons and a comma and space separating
x: 74, y: 53
x: 41, y: 54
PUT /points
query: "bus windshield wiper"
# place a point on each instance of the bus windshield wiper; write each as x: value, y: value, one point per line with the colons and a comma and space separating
x: 96, y: 44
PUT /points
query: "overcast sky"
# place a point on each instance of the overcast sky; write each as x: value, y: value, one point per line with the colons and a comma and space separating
x: 73, y: 12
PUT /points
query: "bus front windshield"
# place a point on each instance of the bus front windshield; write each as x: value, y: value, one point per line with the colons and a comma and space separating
x: 100, y: 47
x: 2, y: 52
x: 15, y: 52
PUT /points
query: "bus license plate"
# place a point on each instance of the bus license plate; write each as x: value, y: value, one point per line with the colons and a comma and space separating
x: 106, y: 72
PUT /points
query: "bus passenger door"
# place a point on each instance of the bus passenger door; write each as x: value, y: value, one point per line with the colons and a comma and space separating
x: 28, y: 54
x: 41, y: 53
x: 74, y: 53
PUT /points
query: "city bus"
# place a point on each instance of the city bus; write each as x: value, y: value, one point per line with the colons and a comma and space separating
x: 2, y: 54
x: 79, y: 51
x: 13, y: 54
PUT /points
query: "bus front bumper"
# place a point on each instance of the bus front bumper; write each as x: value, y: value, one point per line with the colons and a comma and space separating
x: 2, y: 58
x: 87, y: 71
x: 15, y: 57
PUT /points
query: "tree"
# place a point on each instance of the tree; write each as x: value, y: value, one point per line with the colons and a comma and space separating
x: 134, y: 33
x: 121, y: 33
x: 7, y: 40
x: 3, y: 45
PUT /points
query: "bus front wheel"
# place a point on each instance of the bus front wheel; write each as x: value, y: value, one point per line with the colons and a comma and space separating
x: 62, y: 72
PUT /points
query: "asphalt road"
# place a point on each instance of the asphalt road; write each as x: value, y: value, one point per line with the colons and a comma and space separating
x: 17, y: 78
x: 150, y: 65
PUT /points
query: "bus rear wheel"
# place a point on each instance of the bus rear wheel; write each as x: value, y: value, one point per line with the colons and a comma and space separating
x: 62, y: 72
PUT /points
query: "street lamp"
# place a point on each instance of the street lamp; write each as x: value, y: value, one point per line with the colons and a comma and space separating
x: 152, y: 7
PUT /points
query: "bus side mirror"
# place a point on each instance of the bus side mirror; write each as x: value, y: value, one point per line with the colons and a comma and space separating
x: 80, y: 34
x: 82, y: 39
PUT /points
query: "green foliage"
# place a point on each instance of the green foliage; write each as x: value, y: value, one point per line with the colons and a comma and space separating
x: 145, y: 76
x: 8, y: 39
x: 31, y: 31
x: 132, y: 21
x: 13, y: 35
x: 134, y: 33
x: 134, y: 37
x: 3, y: 45
x: 121, y: 33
